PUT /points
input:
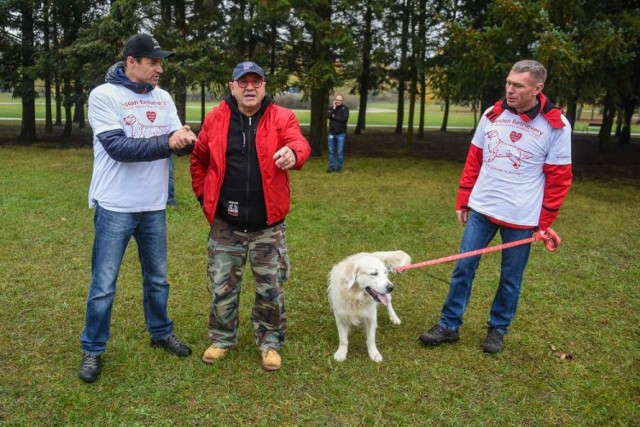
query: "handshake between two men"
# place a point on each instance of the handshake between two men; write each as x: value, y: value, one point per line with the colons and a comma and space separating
x: 182, y: 141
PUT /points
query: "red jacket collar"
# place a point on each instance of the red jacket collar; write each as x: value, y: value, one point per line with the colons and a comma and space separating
x: 545, y: 107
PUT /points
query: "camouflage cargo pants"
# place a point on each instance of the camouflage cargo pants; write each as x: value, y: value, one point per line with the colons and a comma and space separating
x: 267, y: 252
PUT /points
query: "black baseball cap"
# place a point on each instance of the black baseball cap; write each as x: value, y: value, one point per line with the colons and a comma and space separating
x: 144, y: 45
x: 246, y: 67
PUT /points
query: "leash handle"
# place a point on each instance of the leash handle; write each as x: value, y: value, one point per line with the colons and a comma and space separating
x: 456, y: 257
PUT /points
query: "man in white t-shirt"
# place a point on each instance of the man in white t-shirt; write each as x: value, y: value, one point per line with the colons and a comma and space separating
x: 136, y: 128
x: 517, y: 173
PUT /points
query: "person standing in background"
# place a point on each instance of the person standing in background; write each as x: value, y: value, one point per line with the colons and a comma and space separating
x: 338, y: 118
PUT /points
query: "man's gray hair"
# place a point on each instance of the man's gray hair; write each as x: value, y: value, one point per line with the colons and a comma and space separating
x: 537, y: 70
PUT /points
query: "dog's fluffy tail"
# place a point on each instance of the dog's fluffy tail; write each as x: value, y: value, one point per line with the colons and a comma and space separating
x: 393, y: 258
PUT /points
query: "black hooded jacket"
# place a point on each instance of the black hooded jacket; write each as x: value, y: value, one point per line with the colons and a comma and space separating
x: 241, y: 201
x: 338, y: 118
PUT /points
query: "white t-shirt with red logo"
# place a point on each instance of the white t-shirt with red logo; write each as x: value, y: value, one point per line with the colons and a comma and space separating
x: 510, y: 186
x: 130, y: 186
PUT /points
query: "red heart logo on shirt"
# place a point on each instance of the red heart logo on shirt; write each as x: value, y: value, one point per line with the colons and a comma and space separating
x: 151, y: 115
x: 515, y: 136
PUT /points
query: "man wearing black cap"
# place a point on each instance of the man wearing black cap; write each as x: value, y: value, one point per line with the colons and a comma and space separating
x: 239, y: 170
x: 136, y: 128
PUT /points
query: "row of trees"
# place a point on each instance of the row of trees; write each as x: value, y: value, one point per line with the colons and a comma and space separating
x: 460, y: 49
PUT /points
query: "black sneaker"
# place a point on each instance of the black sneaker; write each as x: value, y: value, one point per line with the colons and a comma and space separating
x: 493, y: 342
x: 89, y: 368
x: 437, y: 335
x: 173, y: 345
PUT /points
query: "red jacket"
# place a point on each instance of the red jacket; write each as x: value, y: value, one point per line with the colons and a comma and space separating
x: 278, y: 127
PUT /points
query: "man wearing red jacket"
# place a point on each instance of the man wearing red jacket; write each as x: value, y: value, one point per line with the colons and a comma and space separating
x: 517, y: 173
x: 239, y: 171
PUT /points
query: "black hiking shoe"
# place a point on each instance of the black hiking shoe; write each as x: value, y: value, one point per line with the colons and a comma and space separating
x: 493, y: 342
x: 173, y: 345
x: 437, y: 335
x: 89, y: 368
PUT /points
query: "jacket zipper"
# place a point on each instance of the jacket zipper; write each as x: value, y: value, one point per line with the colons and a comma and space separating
x: 248, y: 173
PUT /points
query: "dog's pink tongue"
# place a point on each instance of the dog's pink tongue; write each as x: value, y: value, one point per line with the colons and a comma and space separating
x: 385, y: 299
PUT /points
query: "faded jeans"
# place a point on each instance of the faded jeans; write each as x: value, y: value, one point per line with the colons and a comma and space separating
x: 478, y: 233
x: 113, y: 231
x: 336, y: 151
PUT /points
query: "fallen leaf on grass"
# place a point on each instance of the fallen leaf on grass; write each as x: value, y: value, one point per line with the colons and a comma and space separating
x: 564, y: 356
x: 561, y: 355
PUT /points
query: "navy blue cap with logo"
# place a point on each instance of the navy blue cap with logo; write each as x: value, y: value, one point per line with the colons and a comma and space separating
x: 246, y: 67
x: 144, y: 46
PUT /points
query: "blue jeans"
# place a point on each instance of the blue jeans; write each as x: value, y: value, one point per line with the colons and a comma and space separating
x: 113, y: 231
x: 336, y: 151
x: 170, y: 198
x: 478, y: 232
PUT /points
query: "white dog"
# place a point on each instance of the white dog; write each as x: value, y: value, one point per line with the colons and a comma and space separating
x: 356, y: 285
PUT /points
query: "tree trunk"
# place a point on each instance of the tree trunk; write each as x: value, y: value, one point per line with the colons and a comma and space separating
x: 180, y: 95
x: 400, y: 108
x: 402, y: 70
x: 571, y: 112
x: 579, y: 112
x: 620, y: 113
x: 412, y: 109
x: 48, y: 119
x: 71, y: 22
x: 180, y: 85
x: 604, y: 137
x: 625, y: 133
x: 28, y: 128
x: 319, y: 83
x: 56, y: 75
x: 445, y: 117
x: 203, y: 102
x: 273, y: 51
x: 68, y: 104
x: 413, y: 77
x: 58, y: 99
x: 474, y: 107
x: 252, y: 39
x: 365, y: 75
x: 79, y: 105
x: 422, y: 35
x: 423, y: 105
x: 317, y: 127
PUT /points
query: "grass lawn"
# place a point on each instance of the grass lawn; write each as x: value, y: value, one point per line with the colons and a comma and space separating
x: 572, y: 357
x: 379, y: 114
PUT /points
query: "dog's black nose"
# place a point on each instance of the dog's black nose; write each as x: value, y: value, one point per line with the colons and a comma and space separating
x: 389, y: 287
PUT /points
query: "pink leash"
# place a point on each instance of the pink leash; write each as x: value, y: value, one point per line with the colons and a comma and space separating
x: 488, y: 249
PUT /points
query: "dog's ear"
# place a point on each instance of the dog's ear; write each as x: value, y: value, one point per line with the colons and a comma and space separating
x: 350, y: 273
x: 393, y: 258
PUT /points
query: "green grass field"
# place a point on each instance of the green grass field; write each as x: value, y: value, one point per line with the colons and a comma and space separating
x: 582, y: 301
x: 378, y: 114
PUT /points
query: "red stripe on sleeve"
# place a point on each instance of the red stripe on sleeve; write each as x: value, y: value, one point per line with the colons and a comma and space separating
x: 469, y: 176
x: 558, y: 180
